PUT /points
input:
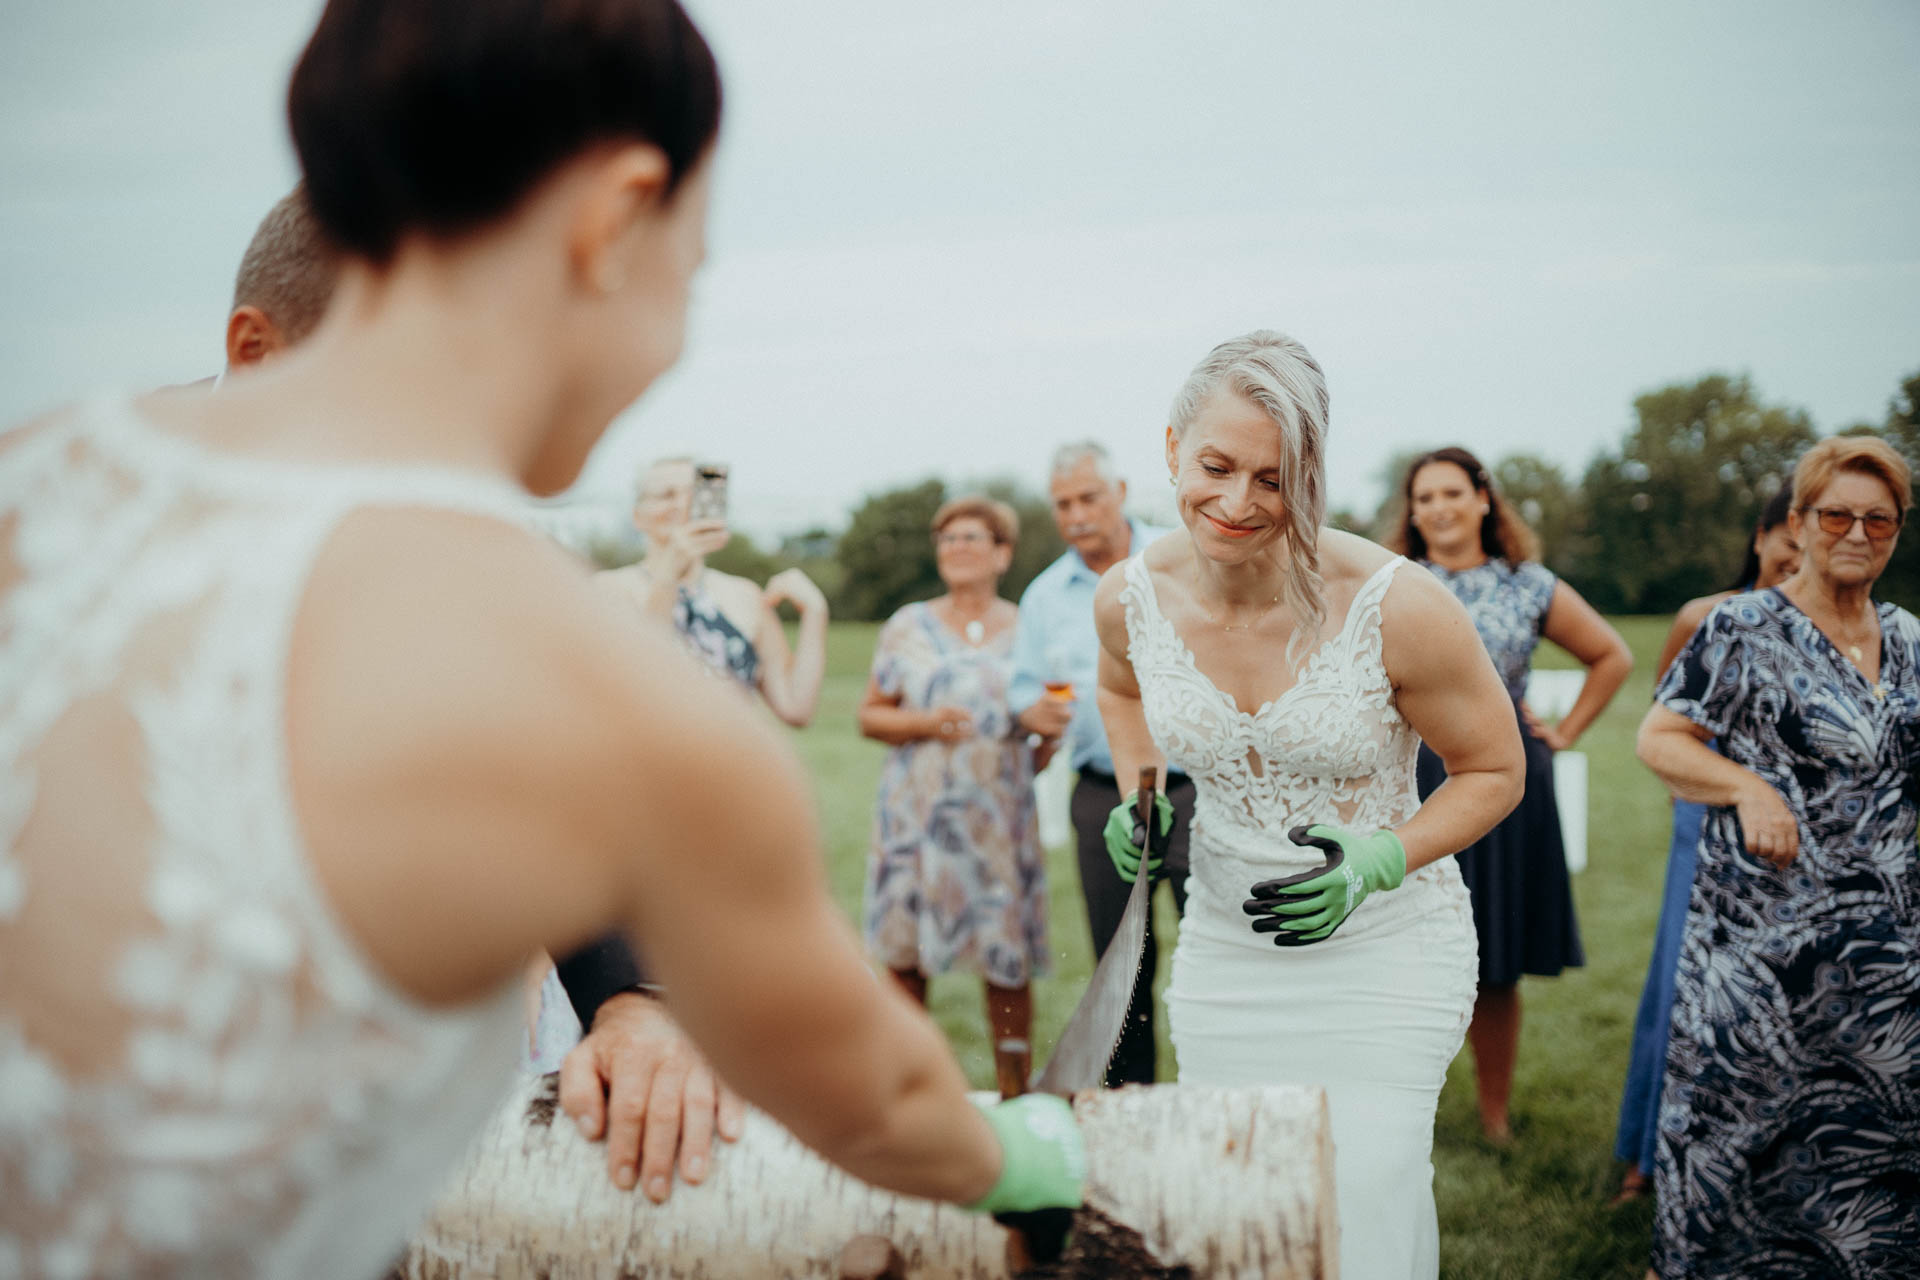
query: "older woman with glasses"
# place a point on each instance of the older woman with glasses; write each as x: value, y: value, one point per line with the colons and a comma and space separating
x: 955, y: 879
x: 1791, y: 1111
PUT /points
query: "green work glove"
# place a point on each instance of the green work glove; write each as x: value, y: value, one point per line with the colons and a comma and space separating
x: 1042, y: 1159
x: 1126, y: 834
x: 1308, y: 907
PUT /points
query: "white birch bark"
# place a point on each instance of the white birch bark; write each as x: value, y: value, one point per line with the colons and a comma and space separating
x: 1221, y: 1182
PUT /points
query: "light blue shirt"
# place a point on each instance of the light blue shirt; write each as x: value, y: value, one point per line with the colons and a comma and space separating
x: 1055, y: 639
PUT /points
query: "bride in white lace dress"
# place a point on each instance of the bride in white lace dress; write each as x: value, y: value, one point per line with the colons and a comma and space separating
x: 1291, y: 671
x: 307, y: 742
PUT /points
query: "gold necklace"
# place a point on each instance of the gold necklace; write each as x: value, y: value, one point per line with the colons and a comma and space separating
x: 1248, y: 625
x: 1859, y: 658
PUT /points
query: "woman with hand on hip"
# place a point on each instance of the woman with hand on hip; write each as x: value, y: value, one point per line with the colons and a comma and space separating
x: 307, y: 740
x: 1790, y: 1116
x: 1772, y: 557
x: 955, y: 879
x: 1291, y: 670
x: 1457, y: 525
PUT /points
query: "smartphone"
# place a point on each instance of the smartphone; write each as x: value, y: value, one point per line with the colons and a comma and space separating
x: 709, y: 492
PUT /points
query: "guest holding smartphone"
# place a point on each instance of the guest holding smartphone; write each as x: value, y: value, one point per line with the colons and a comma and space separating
x: 730, y: 622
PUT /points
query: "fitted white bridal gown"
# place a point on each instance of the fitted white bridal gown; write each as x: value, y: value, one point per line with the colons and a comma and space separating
x: 1374, y: 1013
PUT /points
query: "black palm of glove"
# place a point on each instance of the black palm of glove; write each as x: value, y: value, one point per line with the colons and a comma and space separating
x: 1302, y: 909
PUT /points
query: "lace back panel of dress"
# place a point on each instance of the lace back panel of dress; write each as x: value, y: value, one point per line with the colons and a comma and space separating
x: 182, y: 1037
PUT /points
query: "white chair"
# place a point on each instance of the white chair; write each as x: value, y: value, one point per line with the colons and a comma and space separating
x: 1053, y: 800
x: 1551, y: 694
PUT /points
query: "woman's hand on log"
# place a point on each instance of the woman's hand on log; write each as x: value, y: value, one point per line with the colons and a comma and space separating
x: 637, y: 1079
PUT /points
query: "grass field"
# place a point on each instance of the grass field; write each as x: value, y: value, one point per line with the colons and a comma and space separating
x: 1537, y: 1209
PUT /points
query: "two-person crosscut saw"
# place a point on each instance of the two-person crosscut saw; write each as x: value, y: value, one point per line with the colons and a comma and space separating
x: 1085, y: 1048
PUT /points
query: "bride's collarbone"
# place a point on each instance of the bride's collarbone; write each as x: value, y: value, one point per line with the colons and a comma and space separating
x: 1250, y: 667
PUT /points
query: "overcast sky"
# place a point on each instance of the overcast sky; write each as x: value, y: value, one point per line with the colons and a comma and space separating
x: 947, y: 238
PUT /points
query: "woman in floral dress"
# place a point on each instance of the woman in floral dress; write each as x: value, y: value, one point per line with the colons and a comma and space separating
x: 954, y: 879
x: 1790, y: 1122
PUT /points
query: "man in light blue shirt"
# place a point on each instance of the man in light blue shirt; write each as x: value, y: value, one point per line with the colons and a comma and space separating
x: 1056, y: 661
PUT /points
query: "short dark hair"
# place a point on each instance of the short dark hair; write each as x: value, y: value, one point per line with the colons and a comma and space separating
x: 1503, y: 534
x: 289, y: 268
x: 438, y: 116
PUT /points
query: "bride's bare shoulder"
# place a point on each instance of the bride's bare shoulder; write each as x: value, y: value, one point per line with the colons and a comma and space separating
x: 1347, y: 560
x: 410, y: 606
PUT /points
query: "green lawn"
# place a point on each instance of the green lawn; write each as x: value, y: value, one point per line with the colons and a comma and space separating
x: 1537, y: 1209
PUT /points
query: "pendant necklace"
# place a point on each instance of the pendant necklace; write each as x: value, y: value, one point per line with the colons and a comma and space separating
x: 1853, y: 651
x: 975, y: 631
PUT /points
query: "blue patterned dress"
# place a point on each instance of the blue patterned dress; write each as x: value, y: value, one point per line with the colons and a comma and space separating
x: 1790, y: 1121
x: 955, y: 878
x: 713, y: 638
x: 1516, y: 873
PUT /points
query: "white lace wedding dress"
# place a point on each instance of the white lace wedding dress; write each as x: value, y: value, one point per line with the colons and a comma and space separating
x: 1374, y: 1013
x: 199, y: 1073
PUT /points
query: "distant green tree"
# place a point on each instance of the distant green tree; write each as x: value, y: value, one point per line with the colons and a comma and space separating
x: 812, y: 551
x: 1901, y: 581
x: 886, y: 554
x: 1552, y: 508
x: 1347, y: 520
x: 1670, y: 512
x: 1391, y: 476
x: 743, y: 558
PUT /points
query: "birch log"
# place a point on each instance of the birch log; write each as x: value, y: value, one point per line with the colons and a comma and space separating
x: 1182, y: 1181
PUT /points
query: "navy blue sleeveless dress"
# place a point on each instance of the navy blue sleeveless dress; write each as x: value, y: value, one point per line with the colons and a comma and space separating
x: 1516, y: 873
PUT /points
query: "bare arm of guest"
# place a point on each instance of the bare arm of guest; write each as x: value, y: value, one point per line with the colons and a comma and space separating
x: 790, y: 681
x: 1577, y: 627
x: 884, y: 719
x: 1676, y: 749
x: 669, y: 558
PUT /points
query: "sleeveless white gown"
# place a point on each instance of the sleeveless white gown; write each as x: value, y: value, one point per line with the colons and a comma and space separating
x: 200, y: 1075
x: 1373, y: 1014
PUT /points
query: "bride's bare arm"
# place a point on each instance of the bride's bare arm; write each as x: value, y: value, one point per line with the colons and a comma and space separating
x: 1120, y: 710
x: 1446, y: 688
x: 510, y: 759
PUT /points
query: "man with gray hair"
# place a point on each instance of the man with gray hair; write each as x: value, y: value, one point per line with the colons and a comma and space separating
x: 1056, y: 660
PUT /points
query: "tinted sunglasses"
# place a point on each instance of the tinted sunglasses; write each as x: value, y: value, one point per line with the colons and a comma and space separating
x: 1839, y: 521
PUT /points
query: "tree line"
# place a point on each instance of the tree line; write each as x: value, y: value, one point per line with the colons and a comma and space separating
x: 1662, y: 516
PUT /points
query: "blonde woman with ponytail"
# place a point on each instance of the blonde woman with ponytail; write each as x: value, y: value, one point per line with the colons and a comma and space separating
x: 1292, y: 671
